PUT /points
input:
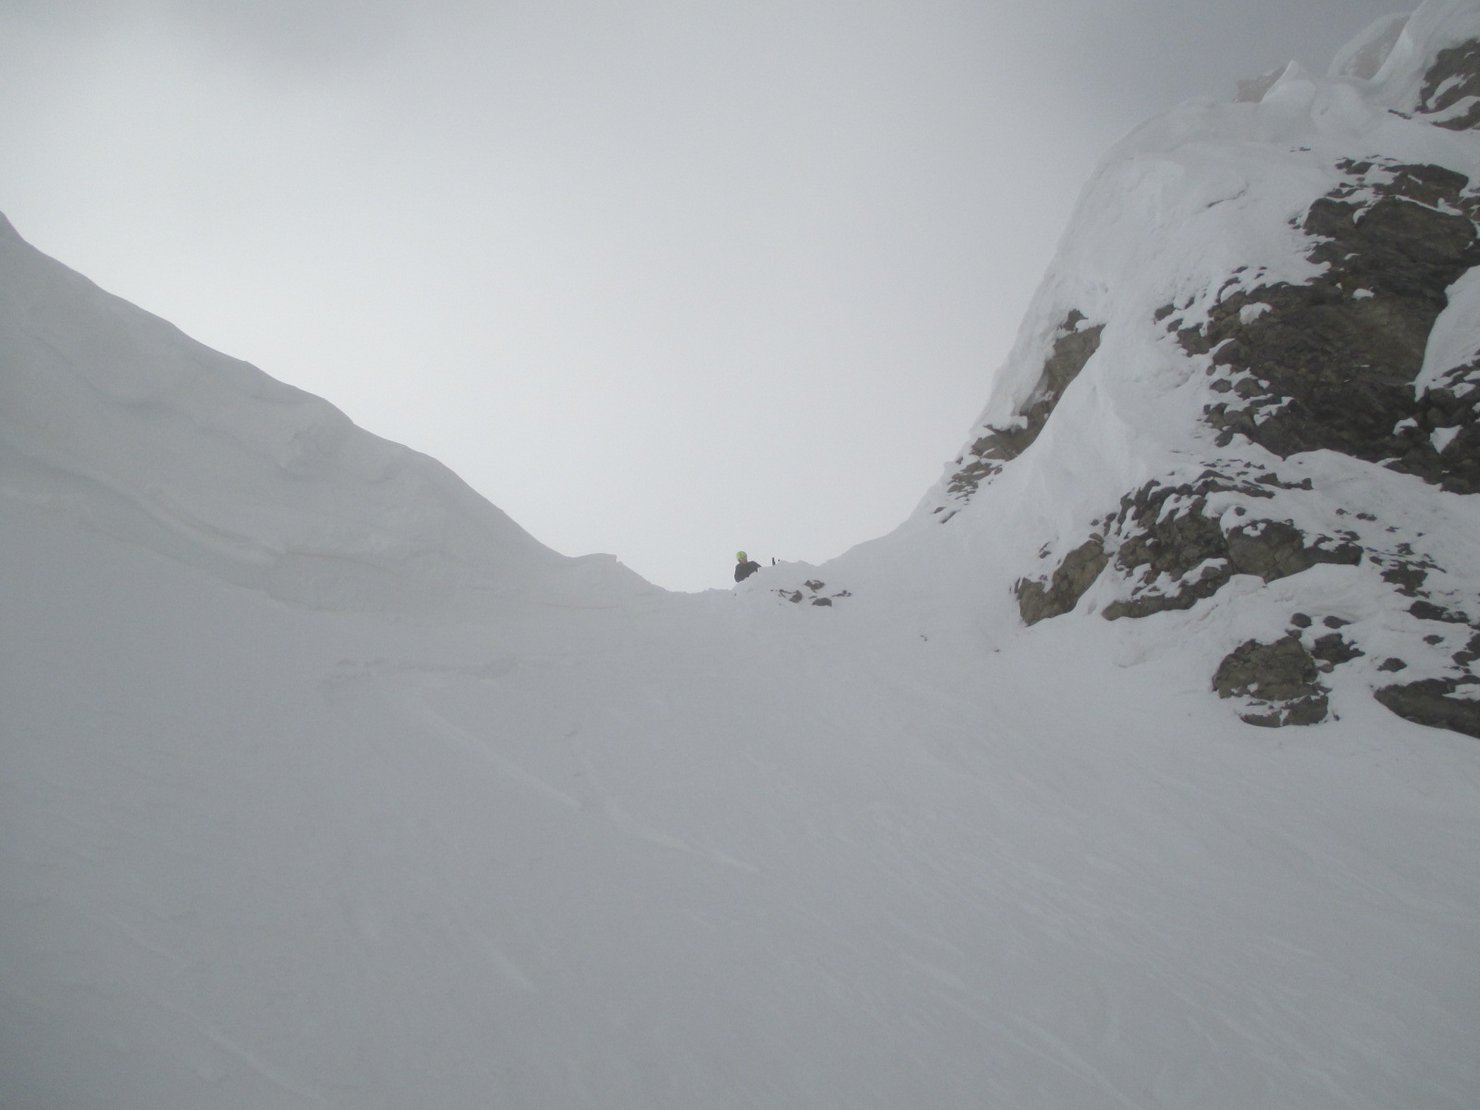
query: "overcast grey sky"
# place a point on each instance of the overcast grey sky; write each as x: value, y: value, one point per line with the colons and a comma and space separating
x: 659, y: 278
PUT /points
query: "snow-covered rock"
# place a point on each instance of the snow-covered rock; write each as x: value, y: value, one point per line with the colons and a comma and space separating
x: 1262, y: 314
x: 147, y: 433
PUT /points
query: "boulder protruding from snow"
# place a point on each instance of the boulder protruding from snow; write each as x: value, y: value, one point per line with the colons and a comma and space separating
x: 1278, y: 683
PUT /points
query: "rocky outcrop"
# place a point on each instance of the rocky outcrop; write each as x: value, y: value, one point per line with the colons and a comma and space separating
x: 1074, y: 345
x: 1332, y: 364
x: 1174, y: 553
x: 1172, y: 550
x: 813, y: 594
x: 1451, y: 88
x: 1272, y: 549
x: 1370, y: 353
x: 1060, y: 593
x: 1279, y: 683
x: 1437, y: 702
x: 1173, y: 545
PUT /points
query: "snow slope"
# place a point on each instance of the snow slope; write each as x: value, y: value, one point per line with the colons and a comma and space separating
x: 322, y: 784
x: 156, y: 437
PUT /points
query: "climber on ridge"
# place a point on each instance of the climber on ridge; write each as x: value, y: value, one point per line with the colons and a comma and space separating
x: 744, y: 567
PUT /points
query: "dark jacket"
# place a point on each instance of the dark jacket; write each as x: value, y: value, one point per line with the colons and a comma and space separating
x: 745, y: 570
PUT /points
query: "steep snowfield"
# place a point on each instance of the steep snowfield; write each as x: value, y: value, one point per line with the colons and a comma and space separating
x: 693, y: 852
x: 322, y: 784
x: 1204, y: 208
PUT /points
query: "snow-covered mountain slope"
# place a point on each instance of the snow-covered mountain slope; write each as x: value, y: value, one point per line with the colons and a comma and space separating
x: 1243, y: 406
x: 322, y: 784
x: 148, y: 434
x: 706, y: 851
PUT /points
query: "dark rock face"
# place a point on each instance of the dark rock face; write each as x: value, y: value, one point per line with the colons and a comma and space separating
x: 1280, y: 682
x: 1333, y: 649
x: 1470, y: 653
x: 1428, y: 611
x: 1175, y: 554
x: 1073, y: 347
x: 1332, y: 364
x: 1038, y: 600
x: 1453, y: 79
x: 1433, y: 702
x: 1165, y: 535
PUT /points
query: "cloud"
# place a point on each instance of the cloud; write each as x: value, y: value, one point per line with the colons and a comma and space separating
x: 290, y: 37
x: 301, y: 36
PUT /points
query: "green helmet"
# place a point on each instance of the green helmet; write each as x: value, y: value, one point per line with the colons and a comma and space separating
x: 739, y: 556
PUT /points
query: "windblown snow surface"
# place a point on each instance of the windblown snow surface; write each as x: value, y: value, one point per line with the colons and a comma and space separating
x: 325, y: 785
